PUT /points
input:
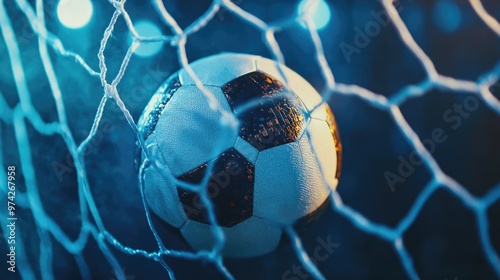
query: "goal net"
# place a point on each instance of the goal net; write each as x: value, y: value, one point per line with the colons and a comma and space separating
x: 413, y: 85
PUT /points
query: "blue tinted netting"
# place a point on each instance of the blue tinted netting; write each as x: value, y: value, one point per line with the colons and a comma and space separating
x: 92, y: 225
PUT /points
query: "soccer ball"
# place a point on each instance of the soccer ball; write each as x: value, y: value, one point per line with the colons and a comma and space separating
x: 277, y: 167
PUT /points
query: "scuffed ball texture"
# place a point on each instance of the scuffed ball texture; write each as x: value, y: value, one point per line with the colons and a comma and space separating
x: 278, y: 167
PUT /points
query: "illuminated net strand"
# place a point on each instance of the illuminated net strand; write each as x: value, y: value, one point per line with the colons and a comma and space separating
x: 413, y: 138
x: 110, y: 90
x: 485, y: 16
x: 41, y: 31
x: 43, y: 222
x: 479, y: 205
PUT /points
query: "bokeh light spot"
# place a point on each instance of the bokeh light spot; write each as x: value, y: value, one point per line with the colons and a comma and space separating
x: 146, y: 28
x: 74, y: 14
x: 319, y: 11
x: 447, y: 16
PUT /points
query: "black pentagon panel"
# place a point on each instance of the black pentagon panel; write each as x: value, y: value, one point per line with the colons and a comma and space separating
x: 330, y: 119
x: 277, y: 119
x: 166, y: 91
x: 230, y: 189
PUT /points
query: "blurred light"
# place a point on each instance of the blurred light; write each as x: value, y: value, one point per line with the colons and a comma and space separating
x: 447, y: 16
x: 74, y: 13
x: 145, y: 28
x: 319, y: 11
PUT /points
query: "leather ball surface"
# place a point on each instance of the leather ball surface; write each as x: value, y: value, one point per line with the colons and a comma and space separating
x: 277, y: 167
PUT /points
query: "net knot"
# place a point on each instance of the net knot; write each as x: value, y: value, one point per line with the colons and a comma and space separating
x: 110, y: 91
